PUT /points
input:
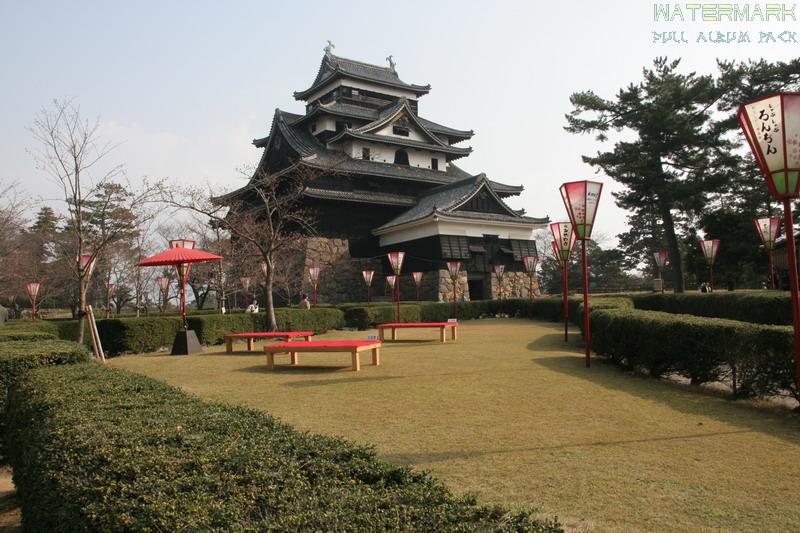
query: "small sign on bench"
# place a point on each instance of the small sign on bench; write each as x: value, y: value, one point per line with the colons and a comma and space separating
x: 372, y: 337
x: 452, y: 320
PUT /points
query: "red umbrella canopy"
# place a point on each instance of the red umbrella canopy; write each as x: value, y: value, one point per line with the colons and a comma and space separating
x: 176, y: 256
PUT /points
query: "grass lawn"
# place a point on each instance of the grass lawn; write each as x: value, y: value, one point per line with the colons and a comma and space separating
x: 510, y: 413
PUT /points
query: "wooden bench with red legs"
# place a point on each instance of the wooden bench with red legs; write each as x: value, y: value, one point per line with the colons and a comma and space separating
x: 354, y: 348
x: 441, y: 326
x: 253, y: 335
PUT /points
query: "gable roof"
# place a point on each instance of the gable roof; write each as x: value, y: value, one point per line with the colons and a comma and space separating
x: 333, y: 67
x: 389, y: 115
x: 315, y: 154
x: 446, y: 200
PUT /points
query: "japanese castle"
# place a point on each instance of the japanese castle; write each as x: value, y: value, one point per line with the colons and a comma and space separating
x: 389, y: 182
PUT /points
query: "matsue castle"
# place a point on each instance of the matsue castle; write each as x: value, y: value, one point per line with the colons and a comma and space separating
x: 389, y: 182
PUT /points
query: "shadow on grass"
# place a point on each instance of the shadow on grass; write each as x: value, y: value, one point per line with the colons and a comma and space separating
x: 555, y: 341
x: 323, y: 382
x: 289, y: 369
x: 680, y: 397
x: 435, y: 457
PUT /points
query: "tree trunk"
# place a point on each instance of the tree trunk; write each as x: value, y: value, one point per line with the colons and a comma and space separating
x: 269, y: 307
x: 672, y: 245
x: 82, y: 309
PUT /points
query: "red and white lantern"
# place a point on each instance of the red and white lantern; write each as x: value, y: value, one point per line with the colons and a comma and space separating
x: 772, y: 127
x: 453, y: 267
x: 661, y: 257
x: 710, y: 248
x: 768, y: 229
x: 313, y: 274
x: 86, y: 264
x: 396, y: 261
x: 313, y: 277
x: 581, y: 199
x: 33, y: 290
x: 563, y: 240
x: 368, y: 275
x: 499, y: 270
x: 530, y: 262
x: 391, y: 280
x: 417, y: 277
x: 163, y: 283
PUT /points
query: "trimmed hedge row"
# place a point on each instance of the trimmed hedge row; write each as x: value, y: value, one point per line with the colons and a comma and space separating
x: 756, y: 359
x: 21, y: 334
x: 147, y: 457
x: 148, y: 334
x: 549, y: 308
x: 17, y: 358
x: 759, y: 307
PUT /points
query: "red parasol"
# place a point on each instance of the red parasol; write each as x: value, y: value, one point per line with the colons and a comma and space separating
x: 181, y: 254
x: 175, y: 256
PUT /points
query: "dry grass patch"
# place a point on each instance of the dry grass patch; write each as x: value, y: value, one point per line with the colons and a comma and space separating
x: 510, y: 413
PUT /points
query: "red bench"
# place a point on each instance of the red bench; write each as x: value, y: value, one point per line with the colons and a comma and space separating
x: 442, y: 326
x: 252, y: 336
x: 352, y: 347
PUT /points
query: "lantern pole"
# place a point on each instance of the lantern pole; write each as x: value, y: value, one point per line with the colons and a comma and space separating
x: 771, y: 269
x: 711, y: 275
x: 793, y: 283
x: 530, y: 289
x: 565, y: 282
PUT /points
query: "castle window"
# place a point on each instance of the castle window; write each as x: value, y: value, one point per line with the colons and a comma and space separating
x: 434, y: 163
x: 365, y: 153
x: 401, y: 157
x: 400, y: 130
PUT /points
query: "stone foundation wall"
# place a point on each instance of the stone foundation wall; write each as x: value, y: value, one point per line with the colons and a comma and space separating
x: 445, y: 288
x: 341, y: 280
x: 515, y: 285
x: 340, y: 277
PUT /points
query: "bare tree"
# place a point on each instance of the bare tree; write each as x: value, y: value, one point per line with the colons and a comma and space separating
x: 71, y: 151
x: 266, y: 217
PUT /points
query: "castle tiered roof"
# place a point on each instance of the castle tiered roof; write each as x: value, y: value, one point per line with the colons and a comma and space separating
x: 334, y: 68
x: 363, y: 132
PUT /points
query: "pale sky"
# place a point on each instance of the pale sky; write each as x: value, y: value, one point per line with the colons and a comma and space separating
x: 185, y: 86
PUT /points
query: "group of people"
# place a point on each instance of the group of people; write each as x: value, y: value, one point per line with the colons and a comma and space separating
x: 705, y: 287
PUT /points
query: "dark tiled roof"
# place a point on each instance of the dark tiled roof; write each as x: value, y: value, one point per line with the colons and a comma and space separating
x: 386, y: 116
x: 333, y: 66
x: 370, y: 197
x: 307, y: 146
x: 451, y: 150
x: 444, y: 200
x: 365, y: 113
x: 450, y: 132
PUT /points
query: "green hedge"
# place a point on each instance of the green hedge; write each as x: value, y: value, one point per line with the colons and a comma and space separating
x: 756, y: 359
x: 22, y: 334
x: 759, y: 307
x: 17, y: 358
x: 98, y: 449
x: 148, y: 334
x: 368, y: 316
